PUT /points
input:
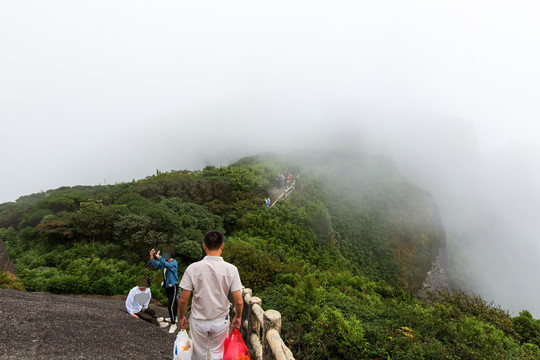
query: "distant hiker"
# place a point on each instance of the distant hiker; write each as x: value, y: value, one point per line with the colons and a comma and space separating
x: 267, y: 200
x: 138, y: 300
x: 289, y: 178
x: 210, y: 281
x: 169, y: 268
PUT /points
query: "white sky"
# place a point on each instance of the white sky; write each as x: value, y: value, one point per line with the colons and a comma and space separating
x: 113, y: 90
x: 109, y: 91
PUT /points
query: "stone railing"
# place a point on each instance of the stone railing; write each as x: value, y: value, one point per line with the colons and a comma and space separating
x: 285, y: 193
x: 261, y: 330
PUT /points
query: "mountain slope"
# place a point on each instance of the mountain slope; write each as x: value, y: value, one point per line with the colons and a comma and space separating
x: 340, y: 258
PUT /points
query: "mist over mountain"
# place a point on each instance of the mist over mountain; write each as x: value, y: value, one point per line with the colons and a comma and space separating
x: 489, y: 200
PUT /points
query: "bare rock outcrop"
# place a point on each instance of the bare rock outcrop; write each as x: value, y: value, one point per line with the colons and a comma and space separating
x: 5, y: 261
x: 437, y: 277
x: 40, y: 325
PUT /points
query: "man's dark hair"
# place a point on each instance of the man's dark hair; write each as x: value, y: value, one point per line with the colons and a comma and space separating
x: 213, y: 239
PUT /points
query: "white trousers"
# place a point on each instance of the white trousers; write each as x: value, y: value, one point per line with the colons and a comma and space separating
x: 208, y: 336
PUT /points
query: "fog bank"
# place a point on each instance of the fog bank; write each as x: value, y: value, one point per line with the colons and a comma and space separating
x: 489, y: 201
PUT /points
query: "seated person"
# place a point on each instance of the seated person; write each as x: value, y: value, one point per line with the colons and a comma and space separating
x: 138, y: 300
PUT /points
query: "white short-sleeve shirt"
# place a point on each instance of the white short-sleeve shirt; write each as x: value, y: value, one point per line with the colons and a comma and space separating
x: 210, y: 282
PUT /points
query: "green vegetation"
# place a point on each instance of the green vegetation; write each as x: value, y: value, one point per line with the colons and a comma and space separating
x: 341, y: 258
x: 9, y: 281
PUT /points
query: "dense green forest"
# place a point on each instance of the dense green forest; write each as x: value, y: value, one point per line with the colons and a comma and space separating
x: 341, y: 258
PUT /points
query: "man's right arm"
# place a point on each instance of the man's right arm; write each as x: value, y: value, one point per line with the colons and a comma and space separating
x: 238, y: 307
x: 182, y: 307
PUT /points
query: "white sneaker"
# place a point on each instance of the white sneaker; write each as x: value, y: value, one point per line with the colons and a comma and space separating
x: 172, y: 329
x: 167, y: 319
x: 163, y: 324
x: 160, y: 319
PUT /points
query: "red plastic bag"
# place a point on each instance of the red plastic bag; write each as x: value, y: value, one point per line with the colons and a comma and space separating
x: 235, y: 348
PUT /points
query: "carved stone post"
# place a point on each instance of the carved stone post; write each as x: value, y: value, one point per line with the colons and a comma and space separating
x: 246, y: 295
x: 253, y: 324
x: 272, y: 321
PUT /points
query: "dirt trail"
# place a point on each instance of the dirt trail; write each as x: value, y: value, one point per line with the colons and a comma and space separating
x: 47, y: 326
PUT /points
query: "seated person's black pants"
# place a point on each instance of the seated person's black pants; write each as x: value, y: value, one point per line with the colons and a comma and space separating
x: 148, y: 315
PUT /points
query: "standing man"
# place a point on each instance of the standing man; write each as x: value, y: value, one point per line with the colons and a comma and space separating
x: 210, y: 281
x: 169, y: 266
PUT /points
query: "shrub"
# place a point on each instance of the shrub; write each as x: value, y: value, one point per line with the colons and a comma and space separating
x: 527, y: 328
x: 10, y: 281
x: 257, y: 268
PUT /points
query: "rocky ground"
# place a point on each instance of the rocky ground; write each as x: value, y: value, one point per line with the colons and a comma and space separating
x: 436, y: 278
x: 47, y: 326
x: 5, y: 261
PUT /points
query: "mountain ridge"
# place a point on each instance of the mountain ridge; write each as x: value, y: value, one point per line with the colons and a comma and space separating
x: 341, y: 258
